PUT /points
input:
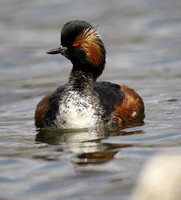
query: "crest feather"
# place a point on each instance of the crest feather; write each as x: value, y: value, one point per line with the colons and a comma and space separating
x: 89, y: 41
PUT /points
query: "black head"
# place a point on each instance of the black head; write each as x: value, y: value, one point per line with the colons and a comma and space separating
x: 81, y: 44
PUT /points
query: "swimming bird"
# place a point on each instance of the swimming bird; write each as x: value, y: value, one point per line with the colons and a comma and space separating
x: 82, y: 102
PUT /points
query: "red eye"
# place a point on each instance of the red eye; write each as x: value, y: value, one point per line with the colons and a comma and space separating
x: 75, y: 44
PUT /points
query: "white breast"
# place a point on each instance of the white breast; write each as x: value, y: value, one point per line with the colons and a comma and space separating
x: 77, y: 110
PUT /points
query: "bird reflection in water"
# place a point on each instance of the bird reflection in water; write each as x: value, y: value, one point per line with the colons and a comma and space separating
x: 87, y: 146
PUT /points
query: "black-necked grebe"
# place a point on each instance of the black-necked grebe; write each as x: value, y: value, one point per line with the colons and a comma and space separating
x: 82, y: 102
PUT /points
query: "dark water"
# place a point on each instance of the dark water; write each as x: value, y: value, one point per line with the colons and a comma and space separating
x: 143, y: 42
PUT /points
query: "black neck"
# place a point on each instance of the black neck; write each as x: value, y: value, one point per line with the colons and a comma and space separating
x: 80, y: 80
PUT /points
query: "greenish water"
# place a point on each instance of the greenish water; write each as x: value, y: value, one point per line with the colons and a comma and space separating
x: 143, y: 42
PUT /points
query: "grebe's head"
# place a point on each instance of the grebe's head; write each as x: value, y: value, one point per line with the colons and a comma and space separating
x: 81, y: 44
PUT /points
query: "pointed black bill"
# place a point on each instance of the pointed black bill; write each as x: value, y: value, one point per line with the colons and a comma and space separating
x: 58, y: 50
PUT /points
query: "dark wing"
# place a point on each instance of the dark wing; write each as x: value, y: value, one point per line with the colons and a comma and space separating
x: 121, y: 104
x: 41, y: 110
x: 47, y: 108
x: 131, y: 108
x: 109, y: 95
x: 53, y: 106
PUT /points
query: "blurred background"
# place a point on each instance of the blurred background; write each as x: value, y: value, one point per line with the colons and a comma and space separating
x: 143, y: 43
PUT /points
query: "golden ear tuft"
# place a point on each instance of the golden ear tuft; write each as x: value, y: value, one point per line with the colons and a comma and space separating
x: 89, y: 41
